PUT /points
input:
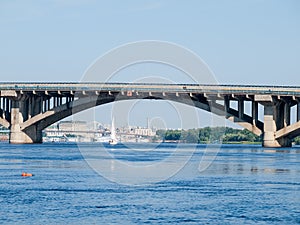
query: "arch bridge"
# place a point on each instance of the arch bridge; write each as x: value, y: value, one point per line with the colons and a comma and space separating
x: 28, y: 108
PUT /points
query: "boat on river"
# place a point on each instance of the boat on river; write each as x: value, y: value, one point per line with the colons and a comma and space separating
x: 113, y: 138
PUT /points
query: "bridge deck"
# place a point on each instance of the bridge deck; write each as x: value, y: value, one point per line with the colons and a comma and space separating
x: 195, y: 88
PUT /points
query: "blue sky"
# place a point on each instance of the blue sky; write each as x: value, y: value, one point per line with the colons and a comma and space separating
x: 247, y: 42
x: 243, y: 42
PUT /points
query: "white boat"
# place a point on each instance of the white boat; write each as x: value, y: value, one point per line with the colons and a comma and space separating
x: 104, y: 139
x: 113, y: 139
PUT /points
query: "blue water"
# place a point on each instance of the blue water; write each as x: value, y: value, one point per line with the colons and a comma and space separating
x: 243, y: 185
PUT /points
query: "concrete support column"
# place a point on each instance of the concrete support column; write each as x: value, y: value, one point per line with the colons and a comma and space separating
x: 45, y: 105
x: 226, y: 104
x: 54, y: 102
x: 37, y: 105
x: 7, y: 108
x: 17, y: 136
x: 270, y: 126
x: 273, y: 114
x: 254, y: 112
x: 41, y: 105
x: 23, y: 111
x: 287, y: 114
x: 298, y: 111
x: 3, y: 108
x: 241, y: 108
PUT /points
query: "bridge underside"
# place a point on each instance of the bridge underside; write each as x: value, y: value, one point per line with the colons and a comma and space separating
x: 27, y: 113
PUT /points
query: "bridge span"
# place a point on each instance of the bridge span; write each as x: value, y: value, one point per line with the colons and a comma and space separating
x: 28, y: 108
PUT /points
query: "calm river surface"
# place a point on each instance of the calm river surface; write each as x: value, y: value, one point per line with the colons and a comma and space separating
x: 243, y: 185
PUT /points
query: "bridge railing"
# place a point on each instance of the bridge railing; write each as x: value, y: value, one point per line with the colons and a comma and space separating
x: 197, y: 88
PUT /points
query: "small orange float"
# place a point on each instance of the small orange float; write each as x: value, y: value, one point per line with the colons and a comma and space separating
x: 27, y: 174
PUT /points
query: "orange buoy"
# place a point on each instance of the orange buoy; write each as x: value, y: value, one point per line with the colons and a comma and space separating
x: 26, y: 174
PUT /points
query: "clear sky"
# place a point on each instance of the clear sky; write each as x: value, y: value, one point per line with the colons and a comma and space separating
x: 243, y: 42
x: 255, y: 41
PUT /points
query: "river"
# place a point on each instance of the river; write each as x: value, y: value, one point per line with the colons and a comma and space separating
x: 241, y: 184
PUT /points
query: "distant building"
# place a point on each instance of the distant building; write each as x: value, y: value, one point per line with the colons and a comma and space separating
x: 69, y: 126
x: 95, y: 131
x: 143, y: 132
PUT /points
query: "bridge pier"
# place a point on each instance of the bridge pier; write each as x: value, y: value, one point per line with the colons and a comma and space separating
x: 29, y: 136
x: 276, y: 116
x: 270, y: 126
x: 19, y: 113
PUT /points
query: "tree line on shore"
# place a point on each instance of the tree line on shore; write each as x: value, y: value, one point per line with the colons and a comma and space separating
x: 205, y: 135
x: 297, y: 140
x: 209, y: 135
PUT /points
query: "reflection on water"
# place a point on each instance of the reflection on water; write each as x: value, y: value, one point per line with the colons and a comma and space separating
x: 247, y: 159
x: 277, y: 150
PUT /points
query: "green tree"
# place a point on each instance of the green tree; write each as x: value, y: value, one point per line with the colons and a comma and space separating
x: 209, y: 135
x: 192, y: 136
x: 297, y: 140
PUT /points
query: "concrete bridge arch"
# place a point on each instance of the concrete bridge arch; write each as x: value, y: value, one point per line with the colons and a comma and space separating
x: 26, y: 111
